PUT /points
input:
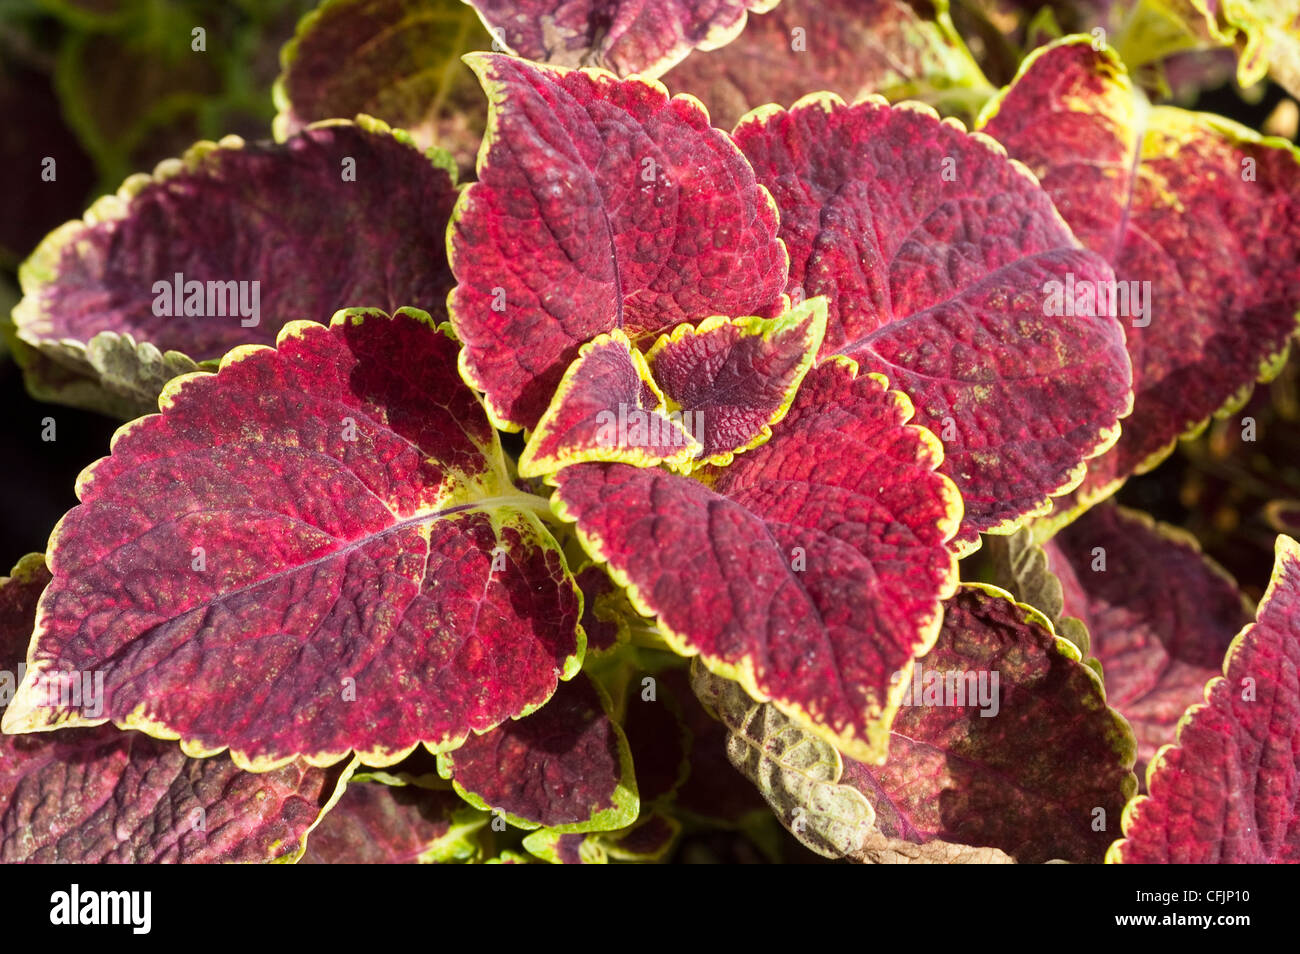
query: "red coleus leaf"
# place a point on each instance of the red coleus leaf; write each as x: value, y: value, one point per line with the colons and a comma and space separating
x: 649, y: 839
x: 851, y: 47
x: 601, y: 204
x: 102, y: 795
x: 315, y: 550
x: 937, y: 254
x: 396, y: 60
x: 566, y: 849
x: 1004, y: 741
x: 605, y: 611
x: 1021, y: 567
x: 607, y: 407
x: 735, y: 378
x: 1160, y: 615
x: 626, y: 36
x: 1041, y: 772
x: 1200, y: 218
x: 1226, y: 793
x: 185, y: 260
x: 699, y: 396
x: 70, y: 797
x: 19, y: 593
x: 810, y: 570
x: 566, y: 767
x: 383, y: 820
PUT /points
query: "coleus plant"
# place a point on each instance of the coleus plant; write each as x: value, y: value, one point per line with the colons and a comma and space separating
x: 620, y: 491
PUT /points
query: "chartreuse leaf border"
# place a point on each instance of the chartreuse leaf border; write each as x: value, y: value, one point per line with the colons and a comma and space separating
x: 797, y: 773
x: 1100, y: 439
x: 799, y: 776
x: 533, y: 464
x: 345, y: 779
x: 610, y: 608
x: 31, y: 567
x: 459, y: 844
x: 766, y: 329
x: 626, y: 801
x: 304, y: 30
x: 614, y: 841
x: 1047, y: 525
x: 1172, y: 120
x: 495, y: 92
x: 1020, y: 566
x: 599, y: 848
x: 716, y: 35
x: 509, y: 857
x: 802, y: 777
x: 525, y: 513
x: 873, y: 745
x: 123, y: 376
x: 544, y: 844
x: 1286, y: 558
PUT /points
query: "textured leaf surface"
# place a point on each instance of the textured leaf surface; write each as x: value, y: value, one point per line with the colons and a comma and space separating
x: 566, y: 849
x: 800, y: 776
x: 19, y: 593
x: 1161, y: 615
x: 125, y: 377
x: 649, y: 840
x: 850, y: 47
x: 376, y: 823
x: 1226, y: 793
x: 1026, y: 779
x: 1022, y: 568
x: 936, y: 253
x: 737, y: 376
x: 282, y: 222
x: 102, y: 795
x: 566, y: 767
x: 796, y: 772
x: 600, y: 204
x: 680, y: 754
x: 878, y: 849
x: 813, y: 566
x: 316, y: 549
x: 607, y: 408
x: 396, y: 60
x: 1204, y: 210
x: 1268, y: 40
x: 606, y: 613
x: 625, y: 36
